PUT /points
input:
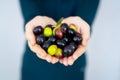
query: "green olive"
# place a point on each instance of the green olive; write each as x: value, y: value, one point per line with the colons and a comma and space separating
x: 58, y: 52
x: 52, y: 50
x: 47, y: 32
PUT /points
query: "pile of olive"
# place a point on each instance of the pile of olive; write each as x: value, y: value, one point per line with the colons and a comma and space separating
x: 60, y: 41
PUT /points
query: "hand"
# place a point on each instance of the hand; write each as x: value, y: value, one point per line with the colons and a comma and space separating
x: 84, y: 29
x: 38, y: 21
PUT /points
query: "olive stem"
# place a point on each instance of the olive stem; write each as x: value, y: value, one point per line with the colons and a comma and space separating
x: 59, y: 21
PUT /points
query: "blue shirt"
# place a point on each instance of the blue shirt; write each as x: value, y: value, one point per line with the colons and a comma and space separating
x: 34, y: 68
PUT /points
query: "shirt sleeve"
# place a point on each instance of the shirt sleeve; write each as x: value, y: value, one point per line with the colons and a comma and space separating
x: 87, y: 10
x: 29, y: 9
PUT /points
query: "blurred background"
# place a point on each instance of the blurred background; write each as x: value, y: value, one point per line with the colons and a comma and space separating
x: 103, y: 53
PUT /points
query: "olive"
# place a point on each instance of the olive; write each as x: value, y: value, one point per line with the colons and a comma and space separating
x: 52, y: 39
x: 38, y: 30
x: 64, y: 27
x: 46, y: 44
x: 70, y: 32
x: 52, y: 49
x: 61, y: 43
x: 68, y: 51
x: 40, y: 39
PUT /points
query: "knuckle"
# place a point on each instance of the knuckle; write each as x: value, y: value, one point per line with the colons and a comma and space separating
x: 48, y: 18
x: 37, y: 17
x: 27, y: 26
x: 51, y: 19
x: 44, y: 16
x: 88, y: 26
x: 77, y: 17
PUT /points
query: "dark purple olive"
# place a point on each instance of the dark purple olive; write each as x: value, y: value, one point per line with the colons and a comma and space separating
x: 73, y: 46
x: 40, y: 39
x: 46, y: 44
x: 64, y: 27
x: 52, y: 39
x: 38, y: 30
x: 70, y: 32
x: 68, y: 51
x: 61, y: 43
x: 65, y: 39
x: 77, y: 39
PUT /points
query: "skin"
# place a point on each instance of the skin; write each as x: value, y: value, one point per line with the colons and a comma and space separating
x: 83, y: 28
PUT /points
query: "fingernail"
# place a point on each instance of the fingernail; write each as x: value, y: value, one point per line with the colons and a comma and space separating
x: 60, y: 61
x: 65, y: 64
x: 75, y: 57
x: 48, y: 61
x: 71, y: 63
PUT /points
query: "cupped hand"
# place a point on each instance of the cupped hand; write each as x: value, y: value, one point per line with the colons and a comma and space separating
x: 38, y: 21
x: 84, y: 30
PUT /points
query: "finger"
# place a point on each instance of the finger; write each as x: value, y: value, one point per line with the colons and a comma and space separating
x: 70, y: 60
x: 29, y: 35
x: 41, y: 54
x: 48, y: 58
x: 65, y: 61
x: 79, y: 52
x: 61, y: 61
x: 54, y: 60
x: 41, y: 57
x: 85, y: 31
x: 37, y: 49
